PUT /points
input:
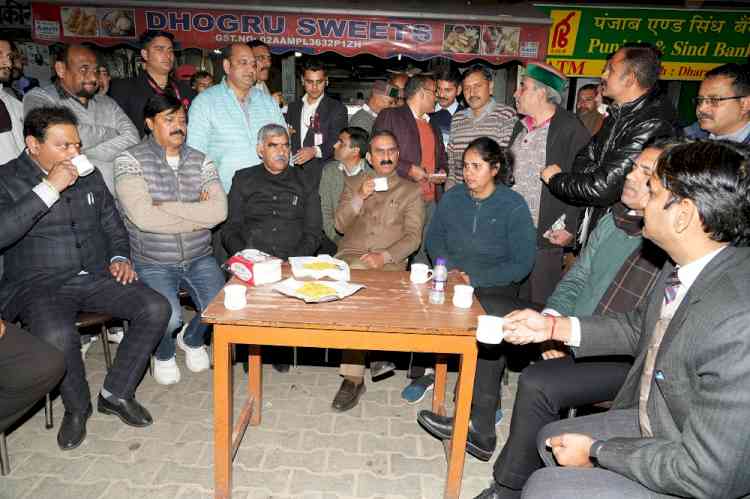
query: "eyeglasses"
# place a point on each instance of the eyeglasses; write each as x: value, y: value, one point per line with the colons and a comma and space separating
x: 714, y: 101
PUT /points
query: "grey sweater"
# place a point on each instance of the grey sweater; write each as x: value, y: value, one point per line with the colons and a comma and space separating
x: 176, y: 228
x: 104, y: 128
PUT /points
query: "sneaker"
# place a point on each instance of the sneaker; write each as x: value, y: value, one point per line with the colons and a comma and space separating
x: 115, y: 334
x: 416, y: 390
x: 86, y: 341
x: 196, y: 358
x: 166, y: 372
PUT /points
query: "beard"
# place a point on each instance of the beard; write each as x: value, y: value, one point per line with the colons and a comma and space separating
x: 87, y: 94
x: 5, y: 75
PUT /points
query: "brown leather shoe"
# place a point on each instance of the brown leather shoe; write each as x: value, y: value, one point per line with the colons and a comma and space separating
x: 348, y: 395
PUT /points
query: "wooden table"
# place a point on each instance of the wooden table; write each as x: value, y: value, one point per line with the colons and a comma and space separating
x: 391, y: 313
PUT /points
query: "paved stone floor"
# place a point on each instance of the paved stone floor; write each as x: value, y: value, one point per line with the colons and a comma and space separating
x: 302, y: 449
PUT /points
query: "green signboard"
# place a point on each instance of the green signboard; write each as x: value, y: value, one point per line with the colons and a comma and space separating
x: 691, y: 41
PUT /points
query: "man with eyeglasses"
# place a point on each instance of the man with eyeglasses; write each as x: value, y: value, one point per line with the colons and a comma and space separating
x: 723, y: 105
x: 315, y: 121
x: 105, y: 129
x: 67, y: 251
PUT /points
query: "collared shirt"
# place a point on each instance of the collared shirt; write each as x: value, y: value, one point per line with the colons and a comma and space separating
x: 738, y: 136
x: 451, y: 109
x: 530, y: 150
x: 306, y: 119
x: 368, y: 109
x: 424, y: 117
x: 11, y: 142
x: 357, y: 168
x: 687, y: 275
x: 261, y: 85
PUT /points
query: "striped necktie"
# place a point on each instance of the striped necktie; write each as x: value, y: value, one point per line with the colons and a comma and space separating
x: 672, y: 285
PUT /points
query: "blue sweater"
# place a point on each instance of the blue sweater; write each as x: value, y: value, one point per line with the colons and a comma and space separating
x: 492, y: 240
x: 219, y: 128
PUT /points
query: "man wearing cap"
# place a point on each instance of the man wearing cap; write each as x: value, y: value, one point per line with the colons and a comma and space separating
x: 382, y: 96
x: 157, y: 51
x: 546, y: 134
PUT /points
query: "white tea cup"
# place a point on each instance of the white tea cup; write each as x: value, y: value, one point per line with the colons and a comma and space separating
x: 381, y: 184
x: 463, y: 296
x: 83, y: 165
x: 234, y: 296
x: 490, y: 329
x: 420, y: 273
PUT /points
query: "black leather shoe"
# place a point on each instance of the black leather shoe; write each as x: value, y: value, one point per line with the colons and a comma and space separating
x: 478, y: 445
x: 72, y: 431
x: 282, y: 368
x: 379, y: 368
x: 348, y: 395
x: 129, y: 411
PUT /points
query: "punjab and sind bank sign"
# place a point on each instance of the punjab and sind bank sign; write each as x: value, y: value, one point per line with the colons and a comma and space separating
x: 691, y: 41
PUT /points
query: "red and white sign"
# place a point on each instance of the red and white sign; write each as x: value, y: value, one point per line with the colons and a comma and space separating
x: 344, y: 34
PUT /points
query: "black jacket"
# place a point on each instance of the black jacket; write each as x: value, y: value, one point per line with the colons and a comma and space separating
x: 132, y: 93
x: 44, y: 247
x: 566, y: 136
x: 333, y: 118
x: 599, y: 170
x: 276, y: 214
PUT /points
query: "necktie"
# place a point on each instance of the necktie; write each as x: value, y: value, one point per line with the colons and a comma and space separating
x: 6, y: 125
x: 672, y: 284
x: 671, y: 287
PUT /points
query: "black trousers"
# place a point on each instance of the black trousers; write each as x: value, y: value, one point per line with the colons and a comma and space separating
x: 51, y: 318
x: 29, y: 369
x: 544, y: 389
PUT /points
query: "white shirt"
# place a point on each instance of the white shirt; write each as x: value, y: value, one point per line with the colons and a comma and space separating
x: 261, y: 85
x: 11, y: 143
x: 368, y: 109
x: 306, y: 116
x: 687, y: 275
x: 451, y: 109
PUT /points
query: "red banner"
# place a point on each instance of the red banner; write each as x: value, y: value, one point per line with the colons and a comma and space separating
x: 346, y: 35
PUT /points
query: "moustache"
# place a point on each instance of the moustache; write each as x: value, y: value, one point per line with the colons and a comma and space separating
x: 280, y: 157
x: 704, y: 116
x: 178, y: 132
x: 386, y: 162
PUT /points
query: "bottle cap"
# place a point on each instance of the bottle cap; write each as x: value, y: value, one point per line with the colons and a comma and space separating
x: 440, y: 261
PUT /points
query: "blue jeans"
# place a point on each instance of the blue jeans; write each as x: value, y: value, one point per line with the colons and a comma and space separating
x: 201, y: 278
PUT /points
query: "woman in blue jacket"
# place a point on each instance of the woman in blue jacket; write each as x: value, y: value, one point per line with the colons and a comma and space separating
x: 482, y: 227
x: 484, y: 230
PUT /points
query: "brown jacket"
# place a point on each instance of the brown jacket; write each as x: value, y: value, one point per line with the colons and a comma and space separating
x: 389, y: 221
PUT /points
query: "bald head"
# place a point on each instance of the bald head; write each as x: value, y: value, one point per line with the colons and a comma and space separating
x: 76, y: 67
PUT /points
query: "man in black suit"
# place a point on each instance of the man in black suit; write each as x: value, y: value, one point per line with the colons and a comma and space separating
x: 66, y: 251
x: 157, y: 51
x: 315, y: 122
x: 677, y: 426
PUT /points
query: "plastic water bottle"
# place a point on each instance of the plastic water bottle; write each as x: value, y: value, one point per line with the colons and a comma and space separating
x: 439, y: 280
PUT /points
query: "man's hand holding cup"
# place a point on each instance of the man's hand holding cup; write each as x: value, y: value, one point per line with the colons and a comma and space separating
x: 367, y: 188
x: 529, y: 326
x: 62, y: 175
